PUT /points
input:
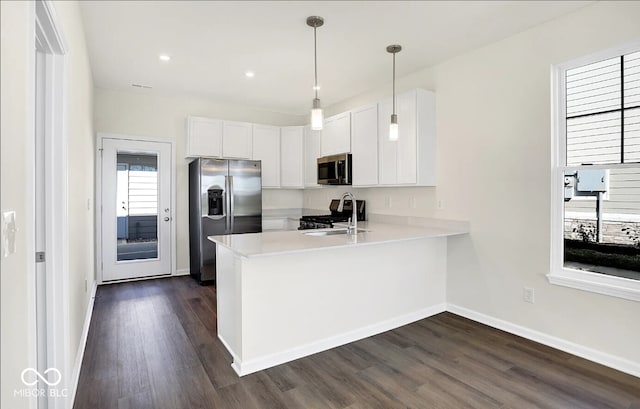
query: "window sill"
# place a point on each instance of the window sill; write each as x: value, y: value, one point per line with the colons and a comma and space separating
x: 597, y: 283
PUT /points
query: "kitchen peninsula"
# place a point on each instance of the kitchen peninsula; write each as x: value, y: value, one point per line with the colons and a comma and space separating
x: 287, y: 294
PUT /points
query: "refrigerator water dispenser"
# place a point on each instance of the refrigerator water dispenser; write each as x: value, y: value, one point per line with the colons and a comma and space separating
x: 216, y: 198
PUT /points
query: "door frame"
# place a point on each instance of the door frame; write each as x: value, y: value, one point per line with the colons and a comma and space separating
x: 47, y: 31
x: 98, y: 201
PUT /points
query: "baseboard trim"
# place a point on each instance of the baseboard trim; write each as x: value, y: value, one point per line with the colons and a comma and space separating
x: 75, y: 375
x: 258, y: 364
x: 612, y: 361
x: 182, y: 272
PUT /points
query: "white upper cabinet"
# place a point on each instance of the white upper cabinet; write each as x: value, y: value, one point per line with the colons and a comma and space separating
x: 266, y: 148
x: 336, y: 135
x: 364, y: 145
x: 217, y: 138
x: 204, y: 137
x: 311, y: 155
x: 289, y: 154
x: 236, y: 139
x: 411, y: 159
x: 292, y: 157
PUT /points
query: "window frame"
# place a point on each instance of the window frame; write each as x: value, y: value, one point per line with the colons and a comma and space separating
x: 559, y: 275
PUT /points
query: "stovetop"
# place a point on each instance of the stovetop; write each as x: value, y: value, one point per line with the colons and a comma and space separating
x: 324, y: 221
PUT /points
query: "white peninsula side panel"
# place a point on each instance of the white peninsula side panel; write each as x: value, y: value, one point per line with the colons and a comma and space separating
x: 277, y: 308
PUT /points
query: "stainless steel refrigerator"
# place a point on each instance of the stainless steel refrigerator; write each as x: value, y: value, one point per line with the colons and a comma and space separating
x: 225, y: 197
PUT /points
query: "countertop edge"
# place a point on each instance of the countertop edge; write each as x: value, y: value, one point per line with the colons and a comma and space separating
x: 426, y: 235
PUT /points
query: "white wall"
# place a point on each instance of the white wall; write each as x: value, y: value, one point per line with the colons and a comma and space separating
x: 139, y: 113
x: 15, y: 129
x: 80, y: 179
x: 494, y: 157
x: 496, y: 102
x: 16, y: 90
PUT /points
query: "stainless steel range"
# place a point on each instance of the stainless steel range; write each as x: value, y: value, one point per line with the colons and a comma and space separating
x: 326, y: 221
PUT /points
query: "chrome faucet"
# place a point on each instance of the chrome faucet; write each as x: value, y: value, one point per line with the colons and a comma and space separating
x: 352, y: 228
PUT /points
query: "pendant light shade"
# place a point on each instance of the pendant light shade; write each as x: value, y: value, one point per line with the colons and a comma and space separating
x: 393, y: 126
x: 317, y: 118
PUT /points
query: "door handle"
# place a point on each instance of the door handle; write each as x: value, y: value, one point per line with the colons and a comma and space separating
x: 166, y: 219
x: 232, y: 205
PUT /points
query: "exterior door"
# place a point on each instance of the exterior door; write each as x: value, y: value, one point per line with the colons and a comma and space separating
x: 136, y: 209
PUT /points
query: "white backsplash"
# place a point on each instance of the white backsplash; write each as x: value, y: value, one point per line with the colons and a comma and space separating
x: 400, y: 201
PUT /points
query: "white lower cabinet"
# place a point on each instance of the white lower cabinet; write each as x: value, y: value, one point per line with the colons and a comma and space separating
x: 311, y: 155
x: 292, y: 157
x: 364, y: 145
x: 411, y: 159
x: 266, y: 148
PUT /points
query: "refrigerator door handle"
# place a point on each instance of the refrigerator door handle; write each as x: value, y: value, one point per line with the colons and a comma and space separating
x: 227, y: 207
x: 231, y: 203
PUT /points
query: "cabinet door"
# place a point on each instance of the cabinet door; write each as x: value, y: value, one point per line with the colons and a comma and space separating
x: 327, y: 138
x: 236, y: 140
x: 266, y: 148
x: 204, y: 137
x: 387, y: 150
x: 311, y: 155
x: 292, y: 162
x: 336, y: 135
x: 364, y: 145
x: 407, y: 153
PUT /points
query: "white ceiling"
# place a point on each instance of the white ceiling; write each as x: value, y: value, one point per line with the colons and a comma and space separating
x: 213, y: 43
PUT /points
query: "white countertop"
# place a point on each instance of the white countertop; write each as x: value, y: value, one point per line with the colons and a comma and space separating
x: 284, y: 242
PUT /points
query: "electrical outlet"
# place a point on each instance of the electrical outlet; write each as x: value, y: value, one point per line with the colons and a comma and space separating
x: 413, y: 203
x: 440, y: 205
x: 387, y: 202
x: 529, y: 295
x: 85, y: 285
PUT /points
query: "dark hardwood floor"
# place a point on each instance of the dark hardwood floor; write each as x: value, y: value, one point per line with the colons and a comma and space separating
x: 153, y: 344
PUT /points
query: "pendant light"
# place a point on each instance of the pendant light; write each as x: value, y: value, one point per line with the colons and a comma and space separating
x: 316, y: 111
x: 393, y: 127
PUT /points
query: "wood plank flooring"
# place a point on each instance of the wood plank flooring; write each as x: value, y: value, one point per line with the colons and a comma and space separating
x: 153, y: 344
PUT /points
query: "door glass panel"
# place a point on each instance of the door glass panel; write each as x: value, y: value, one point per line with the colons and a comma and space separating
x: 137, y: 206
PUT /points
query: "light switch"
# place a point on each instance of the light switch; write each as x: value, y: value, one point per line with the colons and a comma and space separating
x: 8, y: 233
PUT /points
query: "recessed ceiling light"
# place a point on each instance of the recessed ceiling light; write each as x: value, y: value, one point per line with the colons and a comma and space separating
x: 164, y: 57
x: 249, y: 74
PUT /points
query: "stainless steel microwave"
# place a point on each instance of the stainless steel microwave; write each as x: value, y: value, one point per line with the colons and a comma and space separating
x: 335, y: 169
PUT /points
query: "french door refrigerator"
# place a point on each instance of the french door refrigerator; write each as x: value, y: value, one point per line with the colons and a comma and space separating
x: 225, y: 197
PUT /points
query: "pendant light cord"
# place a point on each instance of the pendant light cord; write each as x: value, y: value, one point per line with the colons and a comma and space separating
x: 315, y: 62
x: 394, y: 83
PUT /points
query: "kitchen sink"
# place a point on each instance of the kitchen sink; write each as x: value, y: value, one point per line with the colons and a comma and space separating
x: 329, y: 232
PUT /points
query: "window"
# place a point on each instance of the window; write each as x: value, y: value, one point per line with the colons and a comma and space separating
x: 596, y: 173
